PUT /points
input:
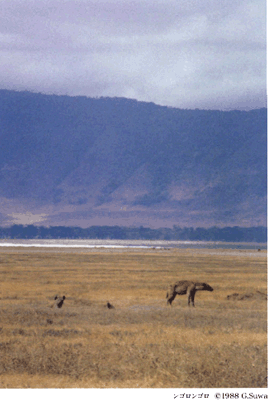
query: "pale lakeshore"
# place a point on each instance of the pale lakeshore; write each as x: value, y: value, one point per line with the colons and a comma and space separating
x: 143, y: 244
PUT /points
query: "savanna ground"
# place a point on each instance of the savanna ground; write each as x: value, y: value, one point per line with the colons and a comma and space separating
x: 221, y: 343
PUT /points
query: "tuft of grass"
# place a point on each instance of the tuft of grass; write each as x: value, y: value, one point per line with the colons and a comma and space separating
x: 126, y: 358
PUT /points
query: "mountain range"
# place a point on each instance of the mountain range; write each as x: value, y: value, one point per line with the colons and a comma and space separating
x: 78, y: 161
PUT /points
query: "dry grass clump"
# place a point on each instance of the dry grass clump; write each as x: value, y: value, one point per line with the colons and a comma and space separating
x: 131, y: 357
x: 234, y: 366
x: 142, y: 342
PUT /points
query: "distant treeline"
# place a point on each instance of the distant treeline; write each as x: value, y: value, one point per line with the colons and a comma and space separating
x: 228, y: 234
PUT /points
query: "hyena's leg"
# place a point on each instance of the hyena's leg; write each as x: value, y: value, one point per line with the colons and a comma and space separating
x: 192, y: 297
x: 191, y: 293
x: 170, y: 298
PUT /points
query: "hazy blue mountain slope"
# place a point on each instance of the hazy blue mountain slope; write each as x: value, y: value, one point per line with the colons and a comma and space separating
x: 118, y: 159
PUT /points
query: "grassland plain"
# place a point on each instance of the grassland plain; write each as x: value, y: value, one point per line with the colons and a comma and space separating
x: 221, y: 343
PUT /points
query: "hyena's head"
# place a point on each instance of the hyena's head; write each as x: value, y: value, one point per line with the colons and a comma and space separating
x: 203, y: 286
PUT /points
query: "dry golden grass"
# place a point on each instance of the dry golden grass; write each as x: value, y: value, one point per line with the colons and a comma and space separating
x: 142, y: 342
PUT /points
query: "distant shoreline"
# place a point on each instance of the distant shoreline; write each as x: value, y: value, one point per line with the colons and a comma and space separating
x: 124, y: 244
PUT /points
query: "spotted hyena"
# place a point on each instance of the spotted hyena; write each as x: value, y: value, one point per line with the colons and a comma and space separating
x: 58, y: 302
x: 186, y: 287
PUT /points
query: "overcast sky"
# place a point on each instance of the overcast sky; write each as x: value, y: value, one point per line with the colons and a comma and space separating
x: 208, y: 54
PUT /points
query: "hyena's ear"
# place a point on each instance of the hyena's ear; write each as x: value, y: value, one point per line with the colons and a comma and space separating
x: 56, y: 297
x: 63, y: 297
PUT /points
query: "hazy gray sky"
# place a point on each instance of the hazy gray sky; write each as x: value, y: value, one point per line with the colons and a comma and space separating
x: 184, y: 53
